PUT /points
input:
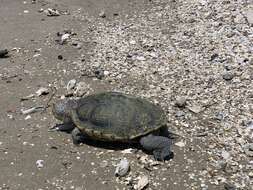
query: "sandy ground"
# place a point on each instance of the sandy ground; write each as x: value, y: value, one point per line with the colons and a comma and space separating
x: 35, y: 159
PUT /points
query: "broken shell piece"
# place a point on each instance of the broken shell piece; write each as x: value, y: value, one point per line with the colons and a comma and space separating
x: 52, y: 12
x: 122, y: 168
x: 64, y: 38
x: 195, y: 108
x: 42, y: 91
x: 32, y: 110
x: 128, y: 151
x: 27, y: 97
x: 142, y: 183
x: 71, y: 84
x: 180, y: 102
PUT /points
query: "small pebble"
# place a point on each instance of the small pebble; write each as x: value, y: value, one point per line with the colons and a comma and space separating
x: 40, y: 163
x: 3, y: 53
x: 225, y: 155
x: 250, y: 125
x: 228, y: 76
x: 251, y: 174
x: 248, y: 149
x: 60, y: 57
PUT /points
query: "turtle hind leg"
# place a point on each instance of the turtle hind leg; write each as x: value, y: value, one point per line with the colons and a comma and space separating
x: 78, y: 137
x: 158, y: 145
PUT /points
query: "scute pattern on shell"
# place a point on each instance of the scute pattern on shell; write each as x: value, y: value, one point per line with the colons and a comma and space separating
x: 114, y: 116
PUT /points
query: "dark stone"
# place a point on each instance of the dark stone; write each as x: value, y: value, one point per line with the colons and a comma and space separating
x: 99, y: 74
x: 60, y: 57
x: 214, y: 56
x: 4, y: 53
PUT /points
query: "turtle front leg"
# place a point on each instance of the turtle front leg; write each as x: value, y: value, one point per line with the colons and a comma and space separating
x: 65, y: 127
x: 159, y: 145
x: 78, y: 137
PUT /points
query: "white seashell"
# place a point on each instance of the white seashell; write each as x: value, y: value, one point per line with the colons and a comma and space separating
x: 122, y: 168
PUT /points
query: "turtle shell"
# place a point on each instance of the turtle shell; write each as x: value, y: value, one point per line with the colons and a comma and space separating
x: 113, y: 116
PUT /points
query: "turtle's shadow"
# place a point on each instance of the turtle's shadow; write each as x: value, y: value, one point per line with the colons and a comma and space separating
x: 111, y: 145
x: 4, y: 56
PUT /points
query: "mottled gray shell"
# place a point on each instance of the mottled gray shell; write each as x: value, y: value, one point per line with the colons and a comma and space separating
x: 113, y: 116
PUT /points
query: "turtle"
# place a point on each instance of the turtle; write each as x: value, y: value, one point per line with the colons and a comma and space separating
x: 115, y: 117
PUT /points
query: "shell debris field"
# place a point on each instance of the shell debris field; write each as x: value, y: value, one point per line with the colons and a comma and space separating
x: 193, y: 58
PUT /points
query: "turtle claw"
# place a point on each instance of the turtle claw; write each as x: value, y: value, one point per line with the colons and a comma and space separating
x: 54, y: 128
x: 157, y: 155
x: 162, y: 155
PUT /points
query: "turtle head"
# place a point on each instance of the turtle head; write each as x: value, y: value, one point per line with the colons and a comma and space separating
x: 62, y: 110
